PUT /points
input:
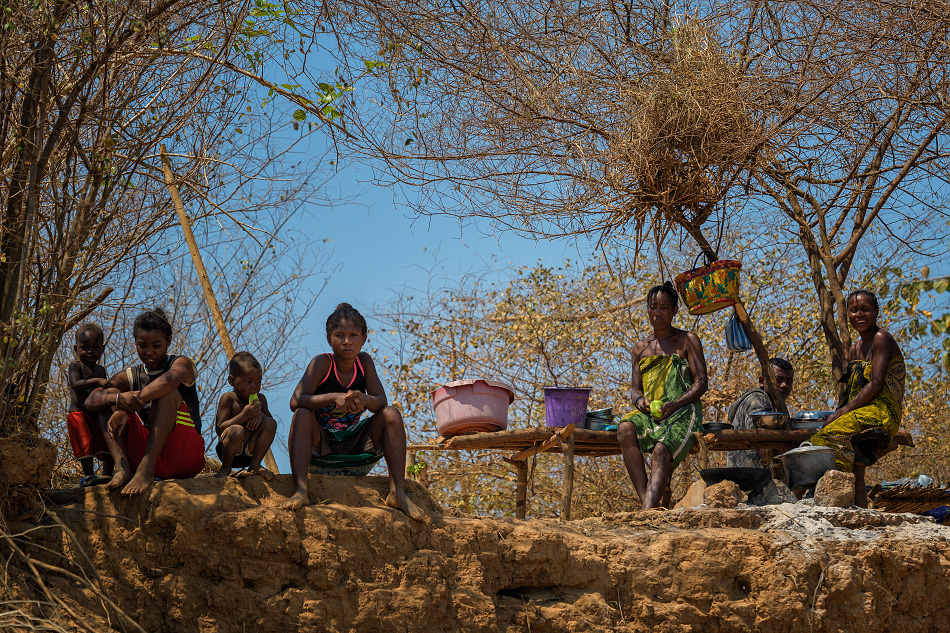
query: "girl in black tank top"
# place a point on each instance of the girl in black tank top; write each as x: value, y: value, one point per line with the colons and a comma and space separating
x: 332, y: 417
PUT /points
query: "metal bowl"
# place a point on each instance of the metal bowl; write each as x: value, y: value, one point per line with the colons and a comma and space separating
x: 769, y: 420
x: 812, y: 420
x: 607, y: 413
x: 813, y: 425
x: 812, y: 415
x: 712, y: 427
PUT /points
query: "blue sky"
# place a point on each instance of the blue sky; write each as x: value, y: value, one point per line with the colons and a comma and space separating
x: 380, y: 251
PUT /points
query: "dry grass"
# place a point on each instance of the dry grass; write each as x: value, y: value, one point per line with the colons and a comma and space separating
x: 36, y: 601
x: 696, y: 131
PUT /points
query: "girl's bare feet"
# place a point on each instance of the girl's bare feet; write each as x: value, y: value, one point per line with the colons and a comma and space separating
x: 121, y: 476
x: 140, y: 483
x: 402, y: 502
x: 299, y: 500
x: 260, y: 470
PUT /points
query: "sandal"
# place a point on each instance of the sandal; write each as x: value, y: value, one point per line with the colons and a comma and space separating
x: 93, y: 480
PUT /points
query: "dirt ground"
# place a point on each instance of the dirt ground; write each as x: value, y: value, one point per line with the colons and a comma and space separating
x: 206, y: 555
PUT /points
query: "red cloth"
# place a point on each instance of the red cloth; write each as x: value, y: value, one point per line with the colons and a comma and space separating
x: 183, y: 455
x: 85, y: 436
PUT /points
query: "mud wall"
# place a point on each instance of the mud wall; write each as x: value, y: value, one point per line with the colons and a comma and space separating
x: 204, y: 555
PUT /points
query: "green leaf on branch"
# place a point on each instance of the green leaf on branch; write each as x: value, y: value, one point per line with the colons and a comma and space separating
x: 299, y: 115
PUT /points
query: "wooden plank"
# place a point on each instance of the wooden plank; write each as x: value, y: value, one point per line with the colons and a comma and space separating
x: 498, y: 439
x: 561, y: 433
x: 587, y: 441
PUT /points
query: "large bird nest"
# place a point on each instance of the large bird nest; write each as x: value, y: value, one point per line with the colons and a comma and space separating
x: 695, y: 127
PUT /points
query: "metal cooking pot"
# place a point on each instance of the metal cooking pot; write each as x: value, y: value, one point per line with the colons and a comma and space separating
x: 769, y: 420
x: 805, y: 465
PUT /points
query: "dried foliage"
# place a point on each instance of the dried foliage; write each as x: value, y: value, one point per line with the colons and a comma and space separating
x: 88, y: 92
x: 650, y: 118
x: 573, y: 325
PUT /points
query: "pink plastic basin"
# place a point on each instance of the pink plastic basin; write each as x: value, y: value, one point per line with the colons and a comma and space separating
x: 472, y: 405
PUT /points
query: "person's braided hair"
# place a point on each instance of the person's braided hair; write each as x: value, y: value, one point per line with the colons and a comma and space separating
x: 668, y: 289
x: 345, y: 312
x: 152, y: 320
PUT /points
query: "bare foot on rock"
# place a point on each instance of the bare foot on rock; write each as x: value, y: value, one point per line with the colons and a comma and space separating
x: 140, y: 483
x: 263, y: 472
x: 299, y: 500
x: 121, y: 476
x: 402, y: 502
x: 222, y: 473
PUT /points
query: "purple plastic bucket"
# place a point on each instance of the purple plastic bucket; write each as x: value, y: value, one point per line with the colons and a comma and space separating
x: 565, y: 405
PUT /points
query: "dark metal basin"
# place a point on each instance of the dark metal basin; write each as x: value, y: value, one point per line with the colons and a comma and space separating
x: 711, y: 427
x: 748, y: 479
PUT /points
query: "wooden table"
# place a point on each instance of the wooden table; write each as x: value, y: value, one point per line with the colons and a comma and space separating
x: 522, y: 444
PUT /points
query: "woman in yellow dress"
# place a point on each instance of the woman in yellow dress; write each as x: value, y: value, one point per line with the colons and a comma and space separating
x: 873, y: 402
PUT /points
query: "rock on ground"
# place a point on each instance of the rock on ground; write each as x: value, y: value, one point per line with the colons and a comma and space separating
x: 725, y: 494
x: 835, y: 489
x: 694, y: 497
x: 206, y: 555
x: 772, y: 493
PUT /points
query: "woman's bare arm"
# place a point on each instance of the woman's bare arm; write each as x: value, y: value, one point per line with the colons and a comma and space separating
x: 375, y: 398
x: 697, y: 367
x: 883, y: 347
x: 640, y: 401
x: 181, y: 371
x: 100, y: 399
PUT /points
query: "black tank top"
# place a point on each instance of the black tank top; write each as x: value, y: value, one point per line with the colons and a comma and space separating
x: 331, y: 417
x: 139, y: 377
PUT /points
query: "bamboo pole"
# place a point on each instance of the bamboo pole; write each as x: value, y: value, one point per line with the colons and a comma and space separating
x: 203, y: 274
x: 771, y: 384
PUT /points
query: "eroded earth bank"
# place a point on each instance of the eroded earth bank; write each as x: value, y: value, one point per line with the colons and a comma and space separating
x: 205, y: 555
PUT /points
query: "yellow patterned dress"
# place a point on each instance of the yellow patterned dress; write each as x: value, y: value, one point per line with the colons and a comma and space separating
x: 883, y: 412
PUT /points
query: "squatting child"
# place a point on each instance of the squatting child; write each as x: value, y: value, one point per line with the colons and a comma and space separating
x: 85, y: 427
x: 243, y: 422
x: 154, y: 429
x: 328, y: 403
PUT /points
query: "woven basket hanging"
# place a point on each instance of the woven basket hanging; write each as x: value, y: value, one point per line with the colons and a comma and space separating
x: 712, y: 287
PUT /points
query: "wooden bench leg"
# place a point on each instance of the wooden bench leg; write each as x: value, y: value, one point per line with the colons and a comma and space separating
x: 567, y: 447
x: 521, y: 492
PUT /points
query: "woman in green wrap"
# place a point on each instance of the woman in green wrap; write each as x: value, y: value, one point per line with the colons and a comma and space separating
x: 872, y: 405
x: 669, y: 377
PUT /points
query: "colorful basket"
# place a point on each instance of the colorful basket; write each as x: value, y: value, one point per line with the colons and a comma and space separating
x: 711, y: 287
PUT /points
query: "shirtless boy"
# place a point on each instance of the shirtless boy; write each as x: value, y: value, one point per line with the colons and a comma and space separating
x: 243, y: 422
x: 85, y: 427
